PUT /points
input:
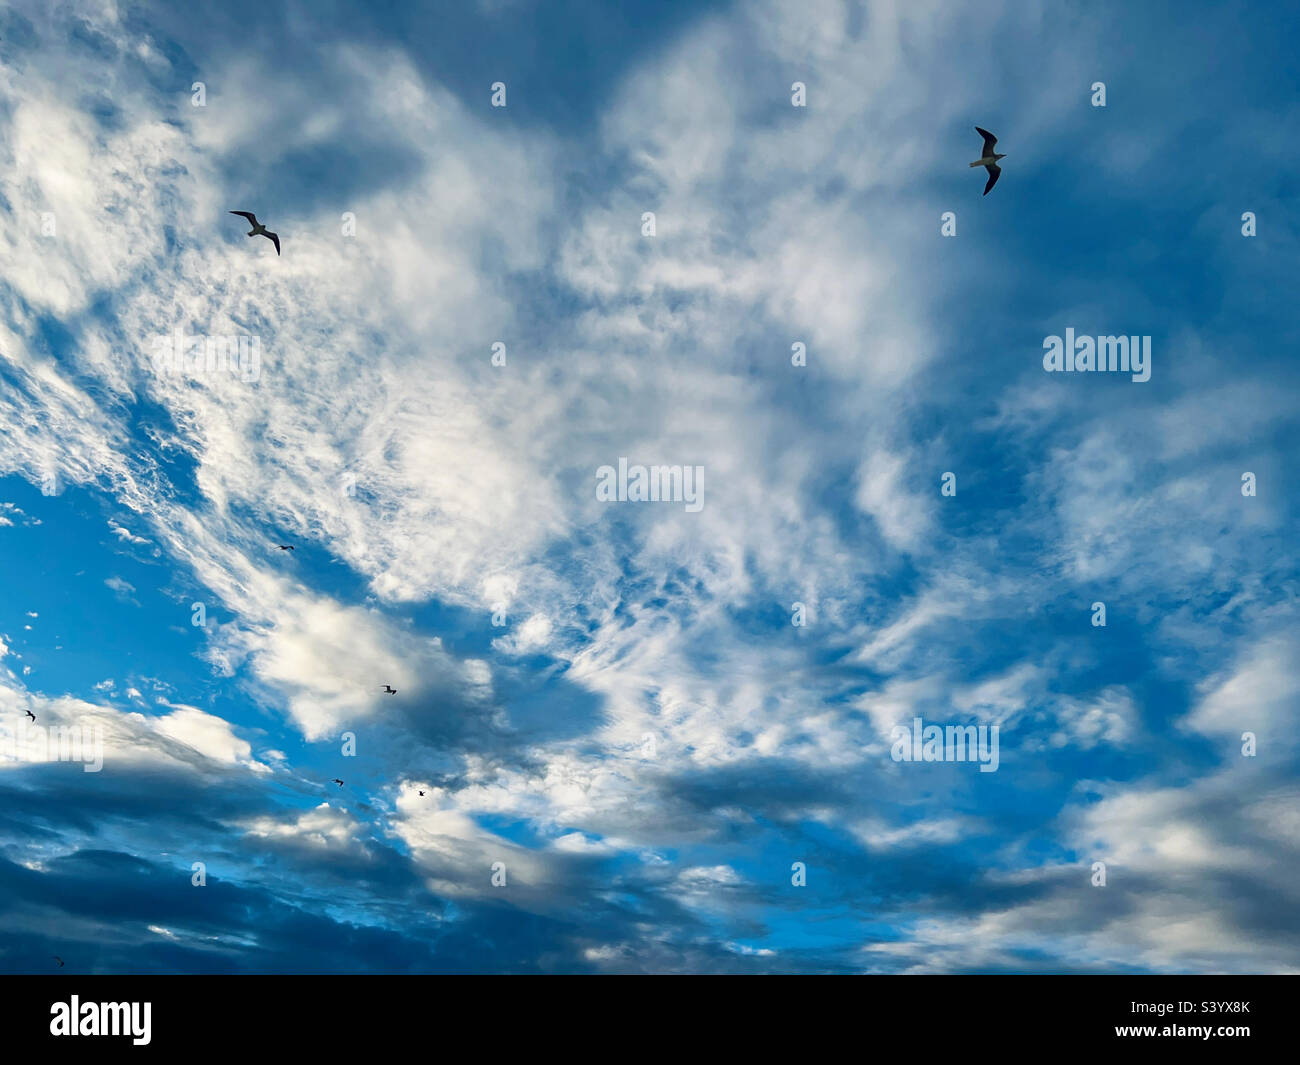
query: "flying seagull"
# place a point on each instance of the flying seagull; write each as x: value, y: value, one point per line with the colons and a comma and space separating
x: 30, y: 714
x: 990, y: 158
x: 258, y: 229
x: 389, y: 690
x: 337, y: 781
x: 285, y: 547
x: 421, y: 793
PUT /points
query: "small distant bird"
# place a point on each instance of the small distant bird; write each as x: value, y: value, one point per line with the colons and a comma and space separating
x: 421, y: 793
x: 59, y: 960
x: 258, y: 229
x: 389, y: 691
x: 285, y: 547
x: 337, y: 781
x: 30, y: 714
x: 990, y: 158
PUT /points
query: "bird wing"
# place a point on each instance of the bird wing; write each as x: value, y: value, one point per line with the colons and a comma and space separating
x: 275, y: 239
x: 989, y: 140
x: 995, y: 172
x: 246, y: 214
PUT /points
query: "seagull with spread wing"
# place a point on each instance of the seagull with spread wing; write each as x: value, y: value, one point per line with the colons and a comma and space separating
x: 258, y: 229
x: 990, y: 158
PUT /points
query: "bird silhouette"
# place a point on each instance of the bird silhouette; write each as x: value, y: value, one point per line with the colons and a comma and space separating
x: 30, y: 714
x: 337, y: 781
x: 258, y: 229
x: 59, y: 960
x: 286, y: 547
x: 421, y: 793
x: 989, y: 160
x: 389, y: 690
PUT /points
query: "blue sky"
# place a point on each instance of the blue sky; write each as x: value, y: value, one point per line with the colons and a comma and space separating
x: 607, y: 703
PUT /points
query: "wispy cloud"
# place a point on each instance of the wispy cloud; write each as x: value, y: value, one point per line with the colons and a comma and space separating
x: 632, y: 722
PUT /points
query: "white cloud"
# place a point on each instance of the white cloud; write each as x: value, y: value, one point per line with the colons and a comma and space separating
x: 1259, y: 693
x: 122, y: 587
x: 385, y: 438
